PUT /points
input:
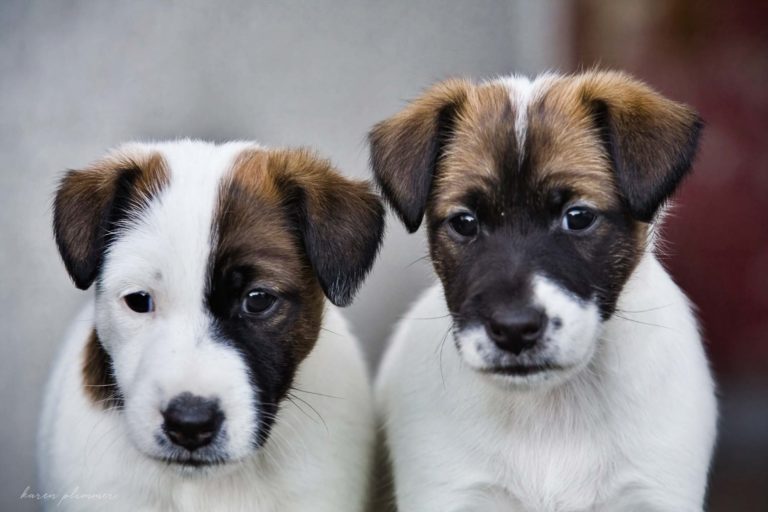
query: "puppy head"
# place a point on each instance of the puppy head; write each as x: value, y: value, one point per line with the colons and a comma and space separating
x: 210, y: 265
x: 539, y: 197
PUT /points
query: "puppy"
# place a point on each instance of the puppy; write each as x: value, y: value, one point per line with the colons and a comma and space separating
x: 209, y: 373
x: 556, y: 367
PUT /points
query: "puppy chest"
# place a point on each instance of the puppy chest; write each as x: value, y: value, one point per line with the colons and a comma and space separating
x: 553, y: 474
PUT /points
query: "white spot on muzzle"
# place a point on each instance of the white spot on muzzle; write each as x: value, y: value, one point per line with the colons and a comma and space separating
x: 573, y: 325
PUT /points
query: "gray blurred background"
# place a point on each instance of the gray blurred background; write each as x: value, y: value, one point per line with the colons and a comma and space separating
x: 77, y: 78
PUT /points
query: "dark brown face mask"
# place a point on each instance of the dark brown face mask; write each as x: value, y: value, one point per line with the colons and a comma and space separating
x: 571, y: 200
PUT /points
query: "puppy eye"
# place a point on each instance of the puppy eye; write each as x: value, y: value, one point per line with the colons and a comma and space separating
x: 578, y: 218
x: 465, y: 225
x: 258, y: 302
x: 140, y: 302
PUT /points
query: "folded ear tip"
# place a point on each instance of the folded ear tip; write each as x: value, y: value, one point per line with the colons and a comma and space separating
x: 410, y: 215
x: 83, y: 284
x: 412, y: 226
x: 342, y: 241
x: 81, y: 273
x: 380, y: 225
x: 342, y: 291
x: 340, y: 301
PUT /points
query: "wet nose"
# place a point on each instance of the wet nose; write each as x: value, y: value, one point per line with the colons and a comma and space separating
x: 516, y: 330
x: 192, y: 421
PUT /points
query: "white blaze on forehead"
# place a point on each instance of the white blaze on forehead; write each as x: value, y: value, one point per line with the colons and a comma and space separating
x: 177, y: 229
x: 165, y: 251
x: 523, y: 92
x: 520, y: 92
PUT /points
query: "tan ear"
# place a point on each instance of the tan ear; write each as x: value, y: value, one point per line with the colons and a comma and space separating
x: 406, y: 148
x: 650, y: 140
x: 341, y: 221
x: 90, y: 204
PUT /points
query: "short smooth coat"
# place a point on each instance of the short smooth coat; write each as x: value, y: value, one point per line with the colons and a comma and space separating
x: 633, y: 432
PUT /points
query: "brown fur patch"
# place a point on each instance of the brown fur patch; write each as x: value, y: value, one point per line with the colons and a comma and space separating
x: 650, y: 140
x: 255, y: 230
x: 88, y: 206
x: 341, y: 220
x: 290, y: 226
x: 405, y: 148
x: 482, y: 143
x: 98, y: 381
x: 90, y: 202
x: 611, y: 136
x: 564, y: 148
x: 302, y: 227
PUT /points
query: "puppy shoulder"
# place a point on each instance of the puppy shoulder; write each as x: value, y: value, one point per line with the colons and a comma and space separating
x: 67, y: 415
x: 64, y: 381
x: 420, y: 331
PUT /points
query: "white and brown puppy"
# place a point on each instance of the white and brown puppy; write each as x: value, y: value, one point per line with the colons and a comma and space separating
x: 557, y: 367
x: 209, y: 373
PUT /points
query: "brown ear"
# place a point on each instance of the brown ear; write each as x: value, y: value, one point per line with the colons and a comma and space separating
x: 406, y: 148
x: 341, y: 221
x: 650, y: 140
x: 91, y: 203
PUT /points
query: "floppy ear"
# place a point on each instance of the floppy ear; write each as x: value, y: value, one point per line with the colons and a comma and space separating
x: 341, y: 222
x: 90, y: 204
x: 406, y: 148
x: 650, y: 140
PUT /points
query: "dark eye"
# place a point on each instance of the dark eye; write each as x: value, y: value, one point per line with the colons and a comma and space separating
x: 578, y: 218
x: 465, y: 225
x: 258, y: 301
x: 140, y: 302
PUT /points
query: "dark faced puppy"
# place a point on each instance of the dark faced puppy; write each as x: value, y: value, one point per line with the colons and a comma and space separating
x: 212, y: 265
x: 539, y: 198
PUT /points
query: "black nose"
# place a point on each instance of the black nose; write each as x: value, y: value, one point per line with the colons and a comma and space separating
x: 192, y: 421
x: 516, y: 330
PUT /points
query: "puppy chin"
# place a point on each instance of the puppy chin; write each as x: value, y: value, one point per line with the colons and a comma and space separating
x: 523, y: 372
x: 203, y: 462
x: 200, y: 466
x: 540, y: 380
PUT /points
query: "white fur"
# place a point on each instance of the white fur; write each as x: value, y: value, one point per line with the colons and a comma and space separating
x: 522, y: 93
x: 633, y: 431
x: 568, y: 346
x: 626, y: 424
x: 318, y: 452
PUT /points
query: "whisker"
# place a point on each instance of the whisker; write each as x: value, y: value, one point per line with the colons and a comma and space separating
x: 440, y: 355
x: 644, y: 323
x: 417, y: 260
x: 643, y: 310
x: 426, y: 317
x: 291, y: 397
x: 293, y: 388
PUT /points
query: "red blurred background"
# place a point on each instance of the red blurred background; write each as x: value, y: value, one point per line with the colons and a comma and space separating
x: 713, y: 56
